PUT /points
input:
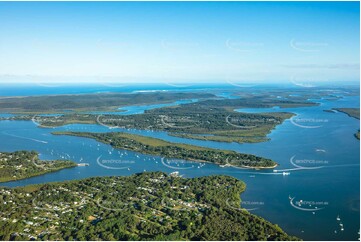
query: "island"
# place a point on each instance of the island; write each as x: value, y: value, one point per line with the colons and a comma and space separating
x: 210, y: 118
x: 153, y: 146
x: 24, y: 164
x: 182, y: 121
x: 214, y: 120
x: 145, y: 206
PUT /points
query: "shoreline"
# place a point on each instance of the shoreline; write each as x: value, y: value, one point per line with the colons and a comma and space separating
x: 199, y: 148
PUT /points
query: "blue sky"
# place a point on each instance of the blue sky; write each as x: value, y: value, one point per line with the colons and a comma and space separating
x: 180, y: 41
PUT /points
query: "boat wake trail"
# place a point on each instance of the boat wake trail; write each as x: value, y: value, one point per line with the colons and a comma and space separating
x: 21, y: 137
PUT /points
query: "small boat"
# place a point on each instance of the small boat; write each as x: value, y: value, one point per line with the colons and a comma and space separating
x: 174, y: 174
x: 338, y: 218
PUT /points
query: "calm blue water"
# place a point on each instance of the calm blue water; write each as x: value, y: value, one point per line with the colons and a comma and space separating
x: 312, y: 139
x: 5, y: 115
x: 140, y: 109
x: 128, y: 110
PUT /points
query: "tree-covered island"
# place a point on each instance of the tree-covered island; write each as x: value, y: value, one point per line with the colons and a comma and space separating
x: 153, y: 146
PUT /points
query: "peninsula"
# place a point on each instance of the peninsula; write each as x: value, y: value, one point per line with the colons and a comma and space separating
x: 24, y: 164
x: 146, y: 206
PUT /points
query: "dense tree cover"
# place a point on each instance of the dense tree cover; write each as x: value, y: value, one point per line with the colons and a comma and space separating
x: 190, y: 121
x: 209, y: 119
x: 352, y: 112
x: 153, y: 146
x: 24, y: 164
x: 146, y: 206
x: 256, y: 101
x: 89, y: 102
